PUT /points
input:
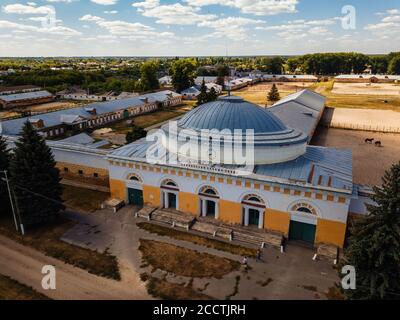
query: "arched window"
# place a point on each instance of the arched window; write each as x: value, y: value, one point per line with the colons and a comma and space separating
x: 170, y: 184
x: 253, y: 199
x: 304, y: 208
x: 209, y: 191
x: 134, y: 177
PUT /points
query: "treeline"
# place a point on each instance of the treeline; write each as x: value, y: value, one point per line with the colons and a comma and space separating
x: 344, y: 63
x: 94, y: 82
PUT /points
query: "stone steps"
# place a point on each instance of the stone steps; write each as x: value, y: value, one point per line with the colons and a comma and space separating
x: 173, y: 218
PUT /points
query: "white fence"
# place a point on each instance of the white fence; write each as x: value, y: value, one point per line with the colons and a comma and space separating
x: 364, y: 127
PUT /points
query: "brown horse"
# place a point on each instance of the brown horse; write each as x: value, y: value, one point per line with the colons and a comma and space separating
x: 369, y: 140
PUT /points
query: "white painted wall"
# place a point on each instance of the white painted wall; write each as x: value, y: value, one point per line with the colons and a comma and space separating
x: 325, y: 209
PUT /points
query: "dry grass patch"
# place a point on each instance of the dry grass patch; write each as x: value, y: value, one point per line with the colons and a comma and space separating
x: 209, y: 243
x: 46, y: 239
x: 83, y: 199
x: 185, y: 262
x: 11, y: 289
x: 163, y: 289
x: 152, y: 118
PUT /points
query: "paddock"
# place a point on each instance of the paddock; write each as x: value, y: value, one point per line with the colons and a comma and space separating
x: 369, y: 161
x: 378, y: 89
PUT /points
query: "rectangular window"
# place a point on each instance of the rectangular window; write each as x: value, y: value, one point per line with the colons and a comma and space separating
x: 80, y: 172
x: 96, y: 175
x: 65, y: 169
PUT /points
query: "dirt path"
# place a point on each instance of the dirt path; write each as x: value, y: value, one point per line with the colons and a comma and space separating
x: 24, y: 264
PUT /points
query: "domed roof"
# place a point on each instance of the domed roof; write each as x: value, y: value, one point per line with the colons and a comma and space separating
x: 232, y: 113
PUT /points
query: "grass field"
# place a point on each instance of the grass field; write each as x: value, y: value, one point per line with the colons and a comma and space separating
x: 185, y: 262
x: 46, y: 239
x: 210, y: 243
x: 11, y: 289
x: 150, y: 119
x: 257, y: 94
x: 83, y: 199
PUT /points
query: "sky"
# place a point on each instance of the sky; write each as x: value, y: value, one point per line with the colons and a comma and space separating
x: 197, y: 27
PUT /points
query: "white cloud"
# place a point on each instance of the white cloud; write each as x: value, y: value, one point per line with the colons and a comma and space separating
x: 27, y: 9
x: 64, y: 1
x: 105, y: 2
x: 147, y: 4
x: 388, y: 27
x: 111, y: 12
x: 56, y: 30
x: 173, y: 13
x: 126, y: 29
x: 230, y: 27
x: 256, y: 7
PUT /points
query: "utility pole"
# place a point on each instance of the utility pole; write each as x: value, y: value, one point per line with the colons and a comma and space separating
x: 10, y: 196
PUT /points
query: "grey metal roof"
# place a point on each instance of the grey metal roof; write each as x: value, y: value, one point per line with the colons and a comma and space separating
x: 232, y: 113
x: 51, y: 119
x: 25, y: 96
x: 301, y: 111
x: 325, y: 167
x: 319, y: 166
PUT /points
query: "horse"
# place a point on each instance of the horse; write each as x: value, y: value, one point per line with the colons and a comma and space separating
x: 378, y: 144
x: 369, y: 140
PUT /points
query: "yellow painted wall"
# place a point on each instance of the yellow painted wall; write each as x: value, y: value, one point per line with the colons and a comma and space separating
x: 118, y: 189
x: 189, y: 203
x: 330, y: 232
x: 230, y: 212
x: 151, y: 196
x: 277, y: 221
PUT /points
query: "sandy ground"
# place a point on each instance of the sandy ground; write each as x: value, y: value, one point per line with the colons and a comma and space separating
x: 369, y: 162
x: 380, y: 89
x: 25, y: 264
x: 366, y: 119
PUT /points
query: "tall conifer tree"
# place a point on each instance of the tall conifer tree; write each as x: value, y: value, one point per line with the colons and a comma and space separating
x: 374, y: 244
x: 4, y: 163
x: 34, y: 175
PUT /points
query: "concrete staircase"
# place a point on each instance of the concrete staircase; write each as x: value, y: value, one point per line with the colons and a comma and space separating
x: 215, y: 228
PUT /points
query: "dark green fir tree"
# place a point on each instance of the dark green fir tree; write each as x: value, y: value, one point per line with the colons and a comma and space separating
x: 136, y: 133
x: 374, y: 244
x: 203, y: 96
x: 273, y: 94
x: 212, y: 95
x: 4, y: 163
x: 35, y: 179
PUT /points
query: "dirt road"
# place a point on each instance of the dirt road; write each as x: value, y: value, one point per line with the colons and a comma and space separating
x: 24, y: 264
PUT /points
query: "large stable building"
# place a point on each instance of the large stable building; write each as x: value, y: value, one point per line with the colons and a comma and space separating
x: 300, y: 191
x: 296, y: 190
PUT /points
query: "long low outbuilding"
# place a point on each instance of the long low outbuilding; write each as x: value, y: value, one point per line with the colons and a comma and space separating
x: 54, y: 124
x: 23, y: 99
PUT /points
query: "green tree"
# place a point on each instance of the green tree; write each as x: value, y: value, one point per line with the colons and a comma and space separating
x: 4, y: 163
x: 379, y: 64
x: 34, y: 175
x: 148, y: 76
x: 394, y: 66
x: 203, y: 96
x: 374, y: 244
x: 273, y: 94
x: 136, y: 133
x: 183, y: 73
x: 212, y: 95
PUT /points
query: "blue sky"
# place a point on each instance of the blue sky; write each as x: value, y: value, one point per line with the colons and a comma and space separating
x: 196, y: 27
